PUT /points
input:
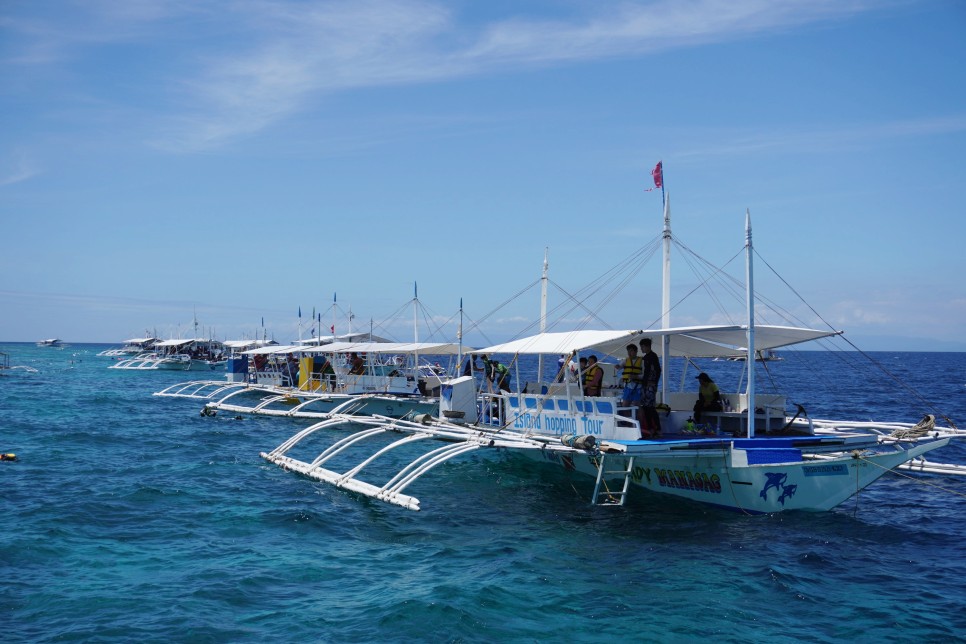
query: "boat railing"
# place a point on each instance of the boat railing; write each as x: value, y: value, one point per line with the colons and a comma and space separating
x: 564, y: 413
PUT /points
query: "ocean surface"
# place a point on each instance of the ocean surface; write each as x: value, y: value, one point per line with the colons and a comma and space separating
x: 129, y: 517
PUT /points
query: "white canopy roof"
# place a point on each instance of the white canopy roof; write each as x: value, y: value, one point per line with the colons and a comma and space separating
x: 241, y: 344
x: 174, y: 343
x: 275, y: 348
x: 184, y: 341
x: 139, y: 340
x: 345, y: 337
x: 695, y: 342
x: 427, y: 348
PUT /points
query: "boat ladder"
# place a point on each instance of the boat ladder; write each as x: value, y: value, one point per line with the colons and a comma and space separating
x: 611, y: 497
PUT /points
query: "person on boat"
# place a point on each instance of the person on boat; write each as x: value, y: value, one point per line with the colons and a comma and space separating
x: 561, y: 368
x: 575, y: 369
x: 471, y: 367
x: 356, y: 365
x: 497, y: 374
x: 323, y: 369
x: 579, y: 372
x: 292, y: 368
x: 631, y: 370
x: 651, y: 375
x: 593, y: 377
x: 709, y: 397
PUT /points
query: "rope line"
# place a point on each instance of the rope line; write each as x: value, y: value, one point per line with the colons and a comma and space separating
x: 912, y: 478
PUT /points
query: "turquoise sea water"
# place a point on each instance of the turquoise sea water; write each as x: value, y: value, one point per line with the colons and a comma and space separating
x: 129, y: 517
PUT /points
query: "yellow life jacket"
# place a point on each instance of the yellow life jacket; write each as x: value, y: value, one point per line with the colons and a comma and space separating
x: 632, y: 370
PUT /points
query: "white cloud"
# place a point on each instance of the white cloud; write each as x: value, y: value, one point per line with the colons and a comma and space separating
x: 301, y: 52
x: 245, y: 66
x: 18, y: 169
x: 824, y: 140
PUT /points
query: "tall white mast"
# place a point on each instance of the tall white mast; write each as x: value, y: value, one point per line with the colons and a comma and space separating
x: 334, y: 300
x: 750, y: 296
x: 459, y: 338
x: 415, y: 326
x: 543, y: 307
x: 666, y: 293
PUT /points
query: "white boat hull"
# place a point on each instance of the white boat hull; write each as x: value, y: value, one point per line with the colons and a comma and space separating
x: 719, y: 479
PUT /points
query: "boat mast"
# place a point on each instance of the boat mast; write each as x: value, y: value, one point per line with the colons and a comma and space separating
x: 666, y: 292
x: 415, y: 327
x: 334, y: 299
x: 459, y: 338
x: 750, y: 296
x: 543, y: 308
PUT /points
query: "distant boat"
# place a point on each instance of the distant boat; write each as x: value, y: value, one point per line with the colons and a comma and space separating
x: 191, y: 354
x: 131, y: 347
x: 5, y: 364
x: 51, y: 342
x: 761, y: 356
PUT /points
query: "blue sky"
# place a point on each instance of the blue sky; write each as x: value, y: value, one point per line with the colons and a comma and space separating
x: 239, y: 161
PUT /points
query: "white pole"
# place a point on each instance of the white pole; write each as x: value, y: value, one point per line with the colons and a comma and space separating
x: 666, y: 295
x: 416, y: 326
x: 459, y: 338
x: 750, y: 296
x: 543, y: 309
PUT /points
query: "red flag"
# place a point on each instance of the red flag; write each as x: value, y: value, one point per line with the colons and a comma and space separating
x: 333, y: 328
x: 658, y: 174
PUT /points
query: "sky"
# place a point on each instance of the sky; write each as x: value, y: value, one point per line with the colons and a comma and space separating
x: 235, y: 163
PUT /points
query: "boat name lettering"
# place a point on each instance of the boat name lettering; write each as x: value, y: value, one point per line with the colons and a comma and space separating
x: 688, y: 481
x: 833, y: 469
x: 558, y: 425
x: 592, y: 425
x: 527, y: 421
x: 551, y: 424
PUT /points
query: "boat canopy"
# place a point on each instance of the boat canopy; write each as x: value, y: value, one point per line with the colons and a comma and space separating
x: 174, y: 343
x: 345, y: 337
x: 275, y: 348
x: 692, y: 342
x: 183, y: 342
x: 249, y: 344
x: 427, y: 348
x: 139, y: 340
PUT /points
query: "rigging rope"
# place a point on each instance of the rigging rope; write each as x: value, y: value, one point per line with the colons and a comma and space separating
x: 858, y: 456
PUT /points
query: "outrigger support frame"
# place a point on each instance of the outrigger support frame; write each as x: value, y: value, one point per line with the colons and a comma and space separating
x: 457, y: 441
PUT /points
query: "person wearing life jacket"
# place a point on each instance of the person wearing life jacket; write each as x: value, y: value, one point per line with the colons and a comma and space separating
x: 631, y: 370
x: 709, y: 397
x: 593, y: 377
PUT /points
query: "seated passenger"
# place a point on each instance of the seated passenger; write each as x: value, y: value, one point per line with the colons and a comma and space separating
x: 709, y: 398
x: 593, y: 377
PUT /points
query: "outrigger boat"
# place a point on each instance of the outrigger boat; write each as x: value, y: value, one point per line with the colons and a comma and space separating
x: 5, y: 365
x: 131, y: 347
x: 315, y: 381
x: 755, y: 459
x: 192, y: 354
